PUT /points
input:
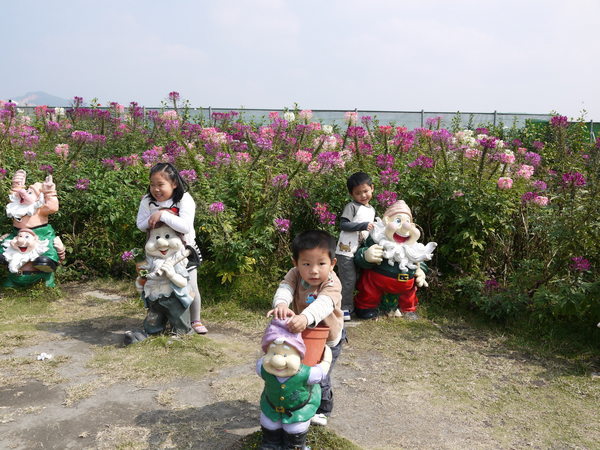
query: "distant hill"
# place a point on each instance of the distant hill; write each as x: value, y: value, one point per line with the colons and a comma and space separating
x: 40, y: 98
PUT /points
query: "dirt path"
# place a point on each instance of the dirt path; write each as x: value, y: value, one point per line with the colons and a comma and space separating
x: 397, y: 385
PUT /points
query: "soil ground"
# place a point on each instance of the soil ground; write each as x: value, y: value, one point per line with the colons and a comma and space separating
x: 398, y: 384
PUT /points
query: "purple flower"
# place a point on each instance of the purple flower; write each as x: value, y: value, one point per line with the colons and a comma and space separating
x: 282, y: 225
x: 491, y: 285
x: 533, y: 158
x: 580, y: 263
x: 127, y: 255
x: 216, y: 208
x: 301, y: 193
x: 366, y: 120
x: 325, y: 216
x: 29, y: 155
x: 574, y: 179
x: 280, y: 181
x: 387, y: 198
x: 189, y: 175
x: 482, y: 131
x: 385, y: 161
x: 47, y: 168
x: 52, y: 126
x: 559, y: 122
x: 222, y: 159
x: 81, y: 137
x: 82, y: 184
x: 109, y: 163
x: 538, y: 145
x: 540, y: 185
x: 488, y: 142
x: 2, y: 173
x: 330, y: 160
x: 173, y: 96
x: 528, y: 197
x: 389, y: 176
x: 422, y: 161
x: 433, y: 121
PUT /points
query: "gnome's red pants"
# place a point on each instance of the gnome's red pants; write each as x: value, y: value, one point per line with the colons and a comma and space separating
x: 372, y: 286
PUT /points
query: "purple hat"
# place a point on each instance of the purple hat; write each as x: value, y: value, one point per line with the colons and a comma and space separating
x: 278, y: 329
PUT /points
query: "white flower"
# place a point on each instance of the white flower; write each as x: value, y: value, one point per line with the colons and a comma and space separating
x: 289, y: 116
x: 59, y: 111
x: 327, y: 129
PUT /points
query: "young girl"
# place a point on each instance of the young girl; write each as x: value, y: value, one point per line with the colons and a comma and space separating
x: 169, y: 202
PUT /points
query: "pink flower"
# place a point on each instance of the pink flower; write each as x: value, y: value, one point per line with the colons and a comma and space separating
x: 274, y: 115
x: 282, y: 225
x: 525, y: 171
x: 303, y: 156
x: 82, y: 184
x: 580, y: 263
x: 323, y: 214
x: 216, y: 208
x: 305, y: 114
x: 457, y: 194
x: 472, y: 153
x: 387, y: 198
x: 540, y: 200
x: 505, y: 183
x: 351, y: 117
x: 280, y: 181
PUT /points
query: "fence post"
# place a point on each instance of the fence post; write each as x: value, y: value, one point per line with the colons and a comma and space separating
x: 422, y: 118
x: 495, y: 116
x: 592, y: 135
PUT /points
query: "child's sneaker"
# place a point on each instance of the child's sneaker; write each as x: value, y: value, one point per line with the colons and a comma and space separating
x: 347, y: 316
x: 319, y: 419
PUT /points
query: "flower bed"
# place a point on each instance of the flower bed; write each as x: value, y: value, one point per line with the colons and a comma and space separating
x: 514, y: 211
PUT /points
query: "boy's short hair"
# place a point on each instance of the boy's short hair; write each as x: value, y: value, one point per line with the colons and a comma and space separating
x: 356, y: 179
x: 310, y: 239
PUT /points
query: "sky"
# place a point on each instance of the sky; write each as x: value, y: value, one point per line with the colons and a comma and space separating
x: 511, y: 56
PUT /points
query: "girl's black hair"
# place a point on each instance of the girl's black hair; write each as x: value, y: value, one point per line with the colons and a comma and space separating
x: 173, y: 175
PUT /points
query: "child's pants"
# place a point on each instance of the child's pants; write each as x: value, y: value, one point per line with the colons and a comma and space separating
x: 326, y: 393
x: 347, y: 272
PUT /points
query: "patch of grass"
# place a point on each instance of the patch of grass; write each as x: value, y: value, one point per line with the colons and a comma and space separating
x: 318, y: 438
x: 15, y: 370
x: 163, y: 358
x: 119, y: 437
x: 78, y: 392
x: 234, y: 313
x: 166, y: 398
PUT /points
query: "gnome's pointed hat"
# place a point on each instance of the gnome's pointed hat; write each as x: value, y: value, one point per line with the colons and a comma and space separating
x: 400, y: 207
x: 278, y: 329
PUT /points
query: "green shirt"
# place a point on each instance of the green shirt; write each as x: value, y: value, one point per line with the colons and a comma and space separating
x: 290, y: 394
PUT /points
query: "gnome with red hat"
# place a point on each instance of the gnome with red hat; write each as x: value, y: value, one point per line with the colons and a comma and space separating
x: 292, y: 393
x: 392, y: 263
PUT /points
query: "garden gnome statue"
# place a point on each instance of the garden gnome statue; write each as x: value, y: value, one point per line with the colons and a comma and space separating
x: 32, y: 250
x: 393, y: 265
x: 164, y: 288
x: 292, y: 393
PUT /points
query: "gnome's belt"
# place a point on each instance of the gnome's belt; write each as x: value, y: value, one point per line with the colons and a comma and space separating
x: 288, y: 412
x: 396, y: 276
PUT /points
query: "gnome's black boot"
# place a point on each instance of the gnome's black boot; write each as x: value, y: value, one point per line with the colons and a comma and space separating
x: 271, y: 439
x: 44, y: 264
x: 295, y: 441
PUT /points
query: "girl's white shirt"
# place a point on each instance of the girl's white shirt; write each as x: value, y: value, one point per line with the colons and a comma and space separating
x: 183, y: 223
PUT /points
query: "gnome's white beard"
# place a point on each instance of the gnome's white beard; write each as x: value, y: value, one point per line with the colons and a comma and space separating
x: 159, y: 285
x: 16, y: 210
x: 407, y: 255
x: 17, y: 259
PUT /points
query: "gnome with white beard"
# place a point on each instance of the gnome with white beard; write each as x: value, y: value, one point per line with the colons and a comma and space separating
x: 393, y: 266
x: 29, y: 208
x: 164, y: 286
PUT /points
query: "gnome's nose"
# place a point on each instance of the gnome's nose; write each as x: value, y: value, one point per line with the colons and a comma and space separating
x: 278, y: 362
